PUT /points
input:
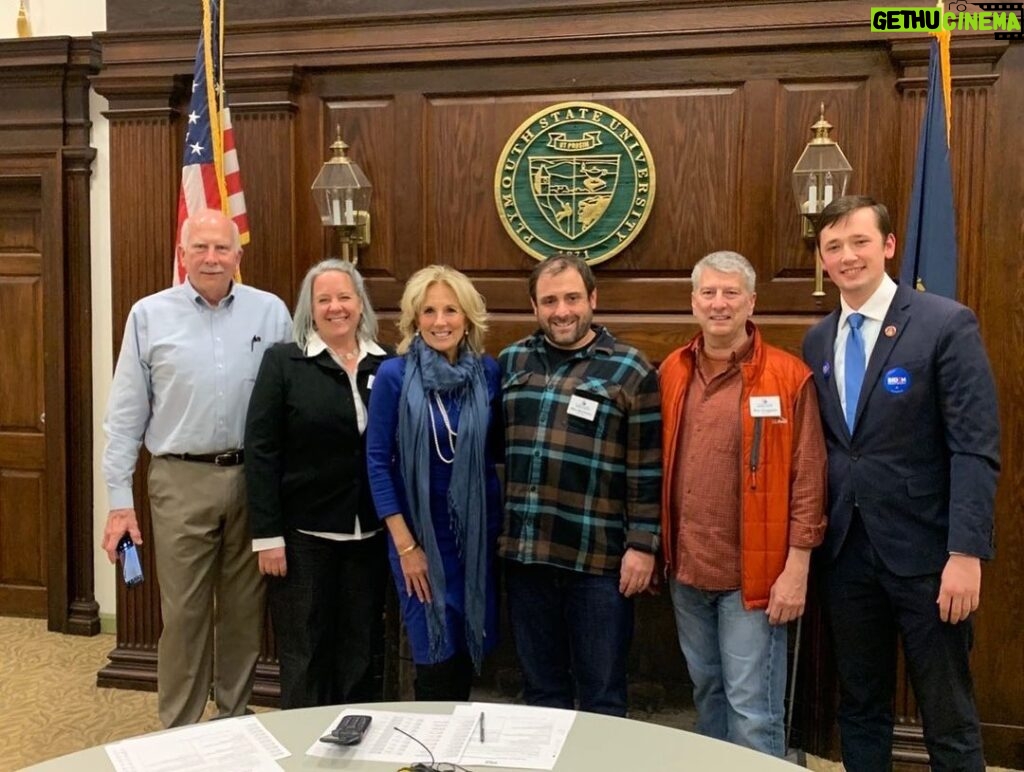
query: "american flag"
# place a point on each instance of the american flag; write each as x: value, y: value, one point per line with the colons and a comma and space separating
x: 210, y: 178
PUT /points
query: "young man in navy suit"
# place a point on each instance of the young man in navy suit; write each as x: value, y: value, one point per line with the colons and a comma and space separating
x: 908, y: 404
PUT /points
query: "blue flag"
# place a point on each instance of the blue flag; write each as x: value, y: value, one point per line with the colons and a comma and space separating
x: 929, y: 249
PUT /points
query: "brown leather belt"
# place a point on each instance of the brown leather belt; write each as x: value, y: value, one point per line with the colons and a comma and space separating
x: 227, y: 458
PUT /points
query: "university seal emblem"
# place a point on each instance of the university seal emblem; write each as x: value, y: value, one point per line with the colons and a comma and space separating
x: 575, y: 177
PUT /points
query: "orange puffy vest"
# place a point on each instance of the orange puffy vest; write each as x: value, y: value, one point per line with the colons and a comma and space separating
x: 766, y: 465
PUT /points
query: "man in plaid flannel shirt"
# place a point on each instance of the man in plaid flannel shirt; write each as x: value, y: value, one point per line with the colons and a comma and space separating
x: 582, y: 493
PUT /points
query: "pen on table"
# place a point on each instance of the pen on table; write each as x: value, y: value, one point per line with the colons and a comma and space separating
x: 481, y: 726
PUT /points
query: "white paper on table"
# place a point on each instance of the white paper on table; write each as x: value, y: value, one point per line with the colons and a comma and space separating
x: 260, y: 735
x: 244, y: 745
x: 445, y: 735
x: 515, y: 735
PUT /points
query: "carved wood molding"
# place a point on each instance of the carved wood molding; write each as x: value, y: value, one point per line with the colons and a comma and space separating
x: 139, y: 60
x: 973, y: 60
x: 45, y: 123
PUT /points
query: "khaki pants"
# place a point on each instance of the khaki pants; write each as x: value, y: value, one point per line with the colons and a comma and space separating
x: 211, y: 592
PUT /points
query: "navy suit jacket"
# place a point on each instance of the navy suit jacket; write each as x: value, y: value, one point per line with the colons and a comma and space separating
x: 923, y: 460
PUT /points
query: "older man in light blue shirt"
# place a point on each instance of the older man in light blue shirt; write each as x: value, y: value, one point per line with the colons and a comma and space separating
x: 188, y: 361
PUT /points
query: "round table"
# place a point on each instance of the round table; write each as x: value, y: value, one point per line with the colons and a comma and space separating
x: 595, y: 744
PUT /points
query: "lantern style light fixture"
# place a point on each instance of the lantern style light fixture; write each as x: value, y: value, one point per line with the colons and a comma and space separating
x: 821, y: 174
x: 342, y: 194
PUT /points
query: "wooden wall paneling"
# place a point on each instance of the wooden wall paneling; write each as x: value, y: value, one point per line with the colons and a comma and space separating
x: 125, y: 14
x: 760, y: 157
x: 77, y: 160
x: 970, y: 110
x: 265, y: 142
x: 389, y: 158
x: 145, y: 169
x: 856, y: 92
x: 846, y: 108
x: 695, y: 139
x: 33, y: 94
x: 466, y: 136
x: 461, y: 145
x: 583, y: 28
x: 998, y: 659
x: 311, y: 238
x: 264, y: 112
x: 56, y: 291
x: 974, y: 77
x: 408, y: 219
x: 383, y: 134
x: 44, y: 130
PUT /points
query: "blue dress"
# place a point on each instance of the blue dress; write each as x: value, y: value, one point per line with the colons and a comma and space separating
x: 382, y: 458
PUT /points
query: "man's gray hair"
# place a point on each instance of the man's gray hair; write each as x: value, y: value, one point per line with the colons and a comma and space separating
x: 303, y: 324
x: 726, y: 262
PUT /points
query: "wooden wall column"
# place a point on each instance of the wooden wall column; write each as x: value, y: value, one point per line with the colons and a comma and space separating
x: 78, y: 157
x: 145, y: 170
x: 44, y: 136
x: 974, y: 75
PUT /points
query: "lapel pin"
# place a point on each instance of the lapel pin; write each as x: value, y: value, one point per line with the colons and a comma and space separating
x: 890, y: 331
x: 825, y: 369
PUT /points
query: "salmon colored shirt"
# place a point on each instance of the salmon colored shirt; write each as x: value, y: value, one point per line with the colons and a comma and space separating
x: 707, y: 479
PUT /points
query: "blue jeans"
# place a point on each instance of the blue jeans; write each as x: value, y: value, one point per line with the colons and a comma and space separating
x: 572, y: 633
x: 737, y: 662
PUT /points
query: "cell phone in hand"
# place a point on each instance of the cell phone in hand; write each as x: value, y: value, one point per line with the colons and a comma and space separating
x: 131, y: 566
x: 349, y: 731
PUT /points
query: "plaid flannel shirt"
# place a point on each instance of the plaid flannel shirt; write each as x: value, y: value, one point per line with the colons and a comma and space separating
x: 583, y: 455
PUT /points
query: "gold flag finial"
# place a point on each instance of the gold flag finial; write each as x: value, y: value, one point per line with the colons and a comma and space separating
x: 24, y: 25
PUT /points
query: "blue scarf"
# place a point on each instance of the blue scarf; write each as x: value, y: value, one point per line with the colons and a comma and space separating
x: 427, y: 372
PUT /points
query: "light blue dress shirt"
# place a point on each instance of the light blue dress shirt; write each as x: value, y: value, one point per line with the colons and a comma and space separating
x: 184, y: 376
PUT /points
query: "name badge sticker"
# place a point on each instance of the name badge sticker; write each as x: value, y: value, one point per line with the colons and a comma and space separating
x: 896, y: 380
x: 765, y: 407
x: 581, y: 407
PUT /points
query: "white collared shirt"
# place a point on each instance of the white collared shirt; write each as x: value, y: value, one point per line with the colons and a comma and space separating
x: 314, y: 347
x: 874, y: 310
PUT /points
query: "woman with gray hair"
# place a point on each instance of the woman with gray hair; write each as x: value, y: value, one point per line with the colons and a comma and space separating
x: 312, y: 518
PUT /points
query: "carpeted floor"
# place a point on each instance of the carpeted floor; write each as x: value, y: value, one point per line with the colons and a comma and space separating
x: 50, y: 705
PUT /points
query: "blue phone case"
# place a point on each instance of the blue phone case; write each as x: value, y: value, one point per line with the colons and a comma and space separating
x: 131, y: 568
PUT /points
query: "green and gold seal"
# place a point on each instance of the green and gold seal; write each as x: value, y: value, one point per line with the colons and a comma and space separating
x: 575, y: 177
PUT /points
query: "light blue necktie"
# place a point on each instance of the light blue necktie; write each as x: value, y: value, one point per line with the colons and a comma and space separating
x: 854, y: 367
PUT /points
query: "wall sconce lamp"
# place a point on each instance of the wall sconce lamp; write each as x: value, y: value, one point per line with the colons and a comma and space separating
x: 342, y: 194
x: 821, y: 174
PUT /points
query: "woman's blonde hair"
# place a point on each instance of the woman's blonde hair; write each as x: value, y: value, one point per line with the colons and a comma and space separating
x: 470, y: 302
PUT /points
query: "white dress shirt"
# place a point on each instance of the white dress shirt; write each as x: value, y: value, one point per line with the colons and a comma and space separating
x: 874, y: 310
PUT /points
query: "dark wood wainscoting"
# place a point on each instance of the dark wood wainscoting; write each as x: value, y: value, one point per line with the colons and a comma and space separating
x: 724, y: 93
x: 46, y: 566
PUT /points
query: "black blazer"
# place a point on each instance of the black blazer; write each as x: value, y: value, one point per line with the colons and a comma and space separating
x: 923, y: 460
x: 304, y: 457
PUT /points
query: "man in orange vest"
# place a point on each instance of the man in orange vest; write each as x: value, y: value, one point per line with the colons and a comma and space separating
x: 743, y: 505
